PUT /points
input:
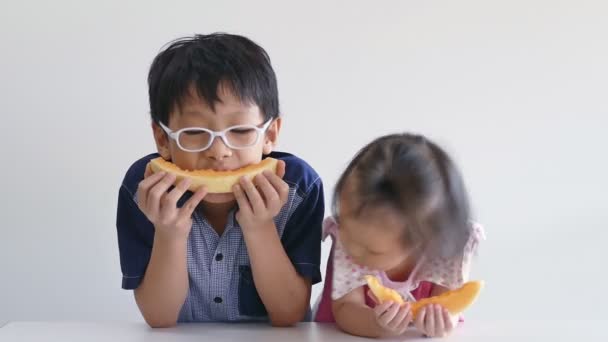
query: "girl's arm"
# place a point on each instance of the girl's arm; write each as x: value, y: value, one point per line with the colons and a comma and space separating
x: 354, y: 316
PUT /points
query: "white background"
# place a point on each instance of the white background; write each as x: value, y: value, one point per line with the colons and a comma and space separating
x: 516, y: 90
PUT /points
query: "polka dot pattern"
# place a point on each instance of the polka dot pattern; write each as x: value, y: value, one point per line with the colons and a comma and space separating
x: 450, y: 273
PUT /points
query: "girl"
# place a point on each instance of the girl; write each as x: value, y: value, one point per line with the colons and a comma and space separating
x: 401, y: 213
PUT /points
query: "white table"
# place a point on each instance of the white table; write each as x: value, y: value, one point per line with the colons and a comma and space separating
x: 471, y: 331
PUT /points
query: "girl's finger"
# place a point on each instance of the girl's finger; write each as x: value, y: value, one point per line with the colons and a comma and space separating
x: 449, y: 323
x: 389, y: 315
x: 372, y: 296
x: 395, y: 324
x: 380, y: 309
x: 430, y: 321
x: 420, y: 319
x: 439, y: 323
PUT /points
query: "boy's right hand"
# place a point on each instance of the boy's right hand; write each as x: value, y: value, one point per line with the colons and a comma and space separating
x: 160, y: 206
x: 392, y: 318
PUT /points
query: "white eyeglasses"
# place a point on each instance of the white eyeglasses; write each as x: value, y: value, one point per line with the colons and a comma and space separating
x: 198, y: 139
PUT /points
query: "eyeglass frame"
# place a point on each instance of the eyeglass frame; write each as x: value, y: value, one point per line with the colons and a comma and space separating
x: 222, y: 134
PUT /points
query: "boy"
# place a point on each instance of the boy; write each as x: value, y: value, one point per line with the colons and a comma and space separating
x: 248, y: 255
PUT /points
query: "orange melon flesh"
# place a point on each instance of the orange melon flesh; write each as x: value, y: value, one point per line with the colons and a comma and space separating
x: 215, y: 181
x: 384, y: 294
x: 455, y: 301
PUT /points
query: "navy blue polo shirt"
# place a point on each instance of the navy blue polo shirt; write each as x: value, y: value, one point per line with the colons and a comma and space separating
x: 221, y: 285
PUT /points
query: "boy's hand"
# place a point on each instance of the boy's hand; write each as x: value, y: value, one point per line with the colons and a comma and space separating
x: 261, y: 200
x: 160, y: 206
x: 434, y: 321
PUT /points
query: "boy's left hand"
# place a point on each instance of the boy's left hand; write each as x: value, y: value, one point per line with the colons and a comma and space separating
x: 434, y: 320
x: 261, y: 200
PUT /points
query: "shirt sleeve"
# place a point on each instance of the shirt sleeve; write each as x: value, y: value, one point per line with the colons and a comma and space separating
x: 135, y: 237
x: 452, y: 273
x: 347, y: 275
x: 302, y: 236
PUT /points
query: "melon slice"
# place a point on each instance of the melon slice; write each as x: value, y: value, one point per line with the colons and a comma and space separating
x: 455, y: 301
x: 215, y: 181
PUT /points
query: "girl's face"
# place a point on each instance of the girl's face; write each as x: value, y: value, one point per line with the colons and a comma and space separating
x: 372, y: 237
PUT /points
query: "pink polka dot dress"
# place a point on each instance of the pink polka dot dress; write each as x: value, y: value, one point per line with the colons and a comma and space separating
x: 343, y: 275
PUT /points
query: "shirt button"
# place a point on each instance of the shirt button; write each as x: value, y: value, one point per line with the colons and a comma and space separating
x: 219, y: 257
x: 218, y: 300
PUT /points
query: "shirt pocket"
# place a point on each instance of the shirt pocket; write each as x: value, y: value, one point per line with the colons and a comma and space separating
x: 250, y: 303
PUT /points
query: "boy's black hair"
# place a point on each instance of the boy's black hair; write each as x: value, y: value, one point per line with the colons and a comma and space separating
x: 414, y: 176
x: 207, y: 62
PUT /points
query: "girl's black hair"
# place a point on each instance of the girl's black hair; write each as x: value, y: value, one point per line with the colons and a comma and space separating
x: 414, y: 176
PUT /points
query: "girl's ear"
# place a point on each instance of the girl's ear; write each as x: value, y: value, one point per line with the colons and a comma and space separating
x: 162, y: 141
x: 272, y: 136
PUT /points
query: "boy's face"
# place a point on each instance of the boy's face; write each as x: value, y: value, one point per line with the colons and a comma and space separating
x: 229, y: 111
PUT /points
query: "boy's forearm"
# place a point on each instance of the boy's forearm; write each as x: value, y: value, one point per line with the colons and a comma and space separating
x: 285, y: 294
x: 356, y: 319
x: 164, y: 288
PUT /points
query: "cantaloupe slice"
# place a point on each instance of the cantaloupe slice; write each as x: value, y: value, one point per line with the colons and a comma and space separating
x: 215, y: 181
x: 384, y: 294
x: 455, y: 301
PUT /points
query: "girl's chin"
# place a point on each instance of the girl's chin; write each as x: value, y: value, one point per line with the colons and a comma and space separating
x: 219, y: 198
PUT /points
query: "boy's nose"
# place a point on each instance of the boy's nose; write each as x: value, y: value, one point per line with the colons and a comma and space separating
x: 218, y: 150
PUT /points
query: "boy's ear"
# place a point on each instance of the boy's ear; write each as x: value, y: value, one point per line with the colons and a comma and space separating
x: 162, y: 141
x: 272, y: 136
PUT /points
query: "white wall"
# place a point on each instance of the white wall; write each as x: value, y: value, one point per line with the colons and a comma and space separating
x: 515, y: 89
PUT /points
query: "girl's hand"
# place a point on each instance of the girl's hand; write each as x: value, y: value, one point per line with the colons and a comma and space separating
x: 434, y: 321
x: 392, y: 318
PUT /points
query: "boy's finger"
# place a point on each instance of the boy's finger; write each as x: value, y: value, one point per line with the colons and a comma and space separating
x: 279, y: 185
x: 253, y: 195
x: 241, y: 199
x: 170, y: 200
x: 157, y: 192
x: 269, y: 193
x: 148, y: 171
x: 143, y: 188
x: 145, y: 185
x: 193, y: 202
x: 280, y: 169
